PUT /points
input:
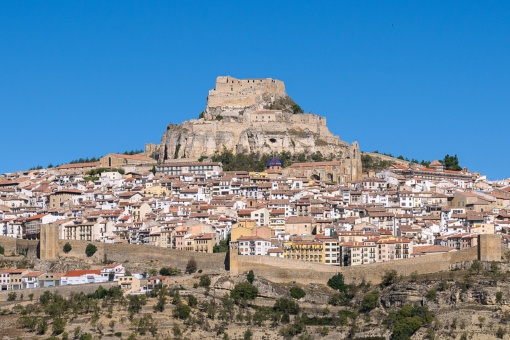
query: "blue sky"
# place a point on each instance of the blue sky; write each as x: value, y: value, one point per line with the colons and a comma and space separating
x: 418, y: 79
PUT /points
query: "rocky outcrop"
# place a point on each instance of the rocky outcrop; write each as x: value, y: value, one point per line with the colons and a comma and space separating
x: 252, y: 116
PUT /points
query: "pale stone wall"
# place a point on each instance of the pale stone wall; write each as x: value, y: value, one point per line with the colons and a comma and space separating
x: 489, y: 247
x: 285, y: 270
x: 234, y: 92
x: 64, y: 291
x: 49, y: 242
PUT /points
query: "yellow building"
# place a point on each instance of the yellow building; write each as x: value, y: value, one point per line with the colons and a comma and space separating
x: 244, y: 227
x: 321, y: 250
x: 156, y: 191
x: 310, y: 251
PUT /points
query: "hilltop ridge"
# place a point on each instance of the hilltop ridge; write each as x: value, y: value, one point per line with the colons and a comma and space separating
x: 254, y: 116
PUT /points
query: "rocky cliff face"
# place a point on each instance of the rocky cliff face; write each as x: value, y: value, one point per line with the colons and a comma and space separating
x: 252, y: 116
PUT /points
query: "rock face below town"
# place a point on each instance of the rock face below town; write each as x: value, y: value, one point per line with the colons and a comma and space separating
x: 252, y: 115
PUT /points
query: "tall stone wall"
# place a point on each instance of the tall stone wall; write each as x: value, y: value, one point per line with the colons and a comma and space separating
x: 489, y: 247
x: 232, y: 92
x: 285, y: 270
x: 152, y: 256
x: 9, y: 245
x: 64, y: 291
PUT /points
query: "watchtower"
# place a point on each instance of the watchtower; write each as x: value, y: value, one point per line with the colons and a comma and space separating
x: 48, y: 244
x: 489, y: 247
x: 234, y: 258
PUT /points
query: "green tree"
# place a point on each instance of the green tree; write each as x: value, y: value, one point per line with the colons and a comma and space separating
x: 389, y: 278
x: 191, y: 266
x: 59, y: 325
x: 67, y: 247
x: 297, y: 293
x: 153, y: 170
x: 250, y: 277
x: 337, y: 282
x: 370, y: 301
x: 244, y: 291
x: 451, y: 162
x: 286, y: 306
x: 182, y: 311
x: 168, y: 271
x: 205, y: 281
x: 90, y: 249
x: 2, y: 250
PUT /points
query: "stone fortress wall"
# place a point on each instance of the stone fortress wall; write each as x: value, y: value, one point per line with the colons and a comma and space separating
x: 278, y: 269
x: 234, y: 92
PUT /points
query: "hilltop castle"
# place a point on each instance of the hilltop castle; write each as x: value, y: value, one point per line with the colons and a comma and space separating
x: 256, y: 115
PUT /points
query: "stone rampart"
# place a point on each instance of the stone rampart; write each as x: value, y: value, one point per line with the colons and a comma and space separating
x: 131, y: 253
x: 64, y: 291
x: 9, y: 245
x: 285, y: 270
x: 19, y: 246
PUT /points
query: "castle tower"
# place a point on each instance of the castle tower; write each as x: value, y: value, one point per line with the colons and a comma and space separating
x: 234, y: 258
x: 489, y: 247
x: 48, y: 244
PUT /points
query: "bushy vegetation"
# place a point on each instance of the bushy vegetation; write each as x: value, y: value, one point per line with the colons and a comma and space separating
x: 297, y: 293
x: 205, y: 281
x: 223, y: 246
x: 337, y: 282
x: 257, y: 162
x: 168, y: 271
x: 250, y: 277
x: 286, y: 104
x: 370, y: 301
x: 99, y: 171
x: 90, y: 249
x: 389, y: 278
x: 2, y: 250
x: 85, y: 160
x: 67, y: 247
x: 191, y: 266
x: 372, y: 163
x: 244, y: 291
x: 407, y: 320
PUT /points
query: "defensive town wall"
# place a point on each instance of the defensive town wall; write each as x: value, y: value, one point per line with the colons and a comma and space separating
x: 279, y: 269
x: 230, y: 91
x: 64, y: 291
x: 285, y: 270
x: 133, y: 253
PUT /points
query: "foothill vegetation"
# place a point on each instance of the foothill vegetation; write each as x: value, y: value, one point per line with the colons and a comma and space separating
x: 418, y: 307
x: 369, y: 162
x: 257, y: 162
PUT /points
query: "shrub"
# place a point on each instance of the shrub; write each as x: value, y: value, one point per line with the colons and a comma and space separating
x: 369, y: 301
x: 499, y: 297
x: 337, y: 282
x: 297, y: 293
x: 389, y: 278
x: 250, y: 277
x: 286, y: 306
x: 500, y: 333
x: 12, y: 296
x: 2, y: 250
x: 168, y: 271
x: 67, y: 247
x: 90, y: 250
x: 205, y: 281
x: 244, y: 290
x: 431, y: 294
x: 191, y: 266
x: 182, y: 311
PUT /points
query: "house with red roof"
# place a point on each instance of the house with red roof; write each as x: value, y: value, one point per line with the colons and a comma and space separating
x: 78, y: 277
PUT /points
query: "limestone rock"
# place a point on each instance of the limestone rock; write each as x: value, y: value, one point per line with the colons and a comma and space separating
x: 253, y: 115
